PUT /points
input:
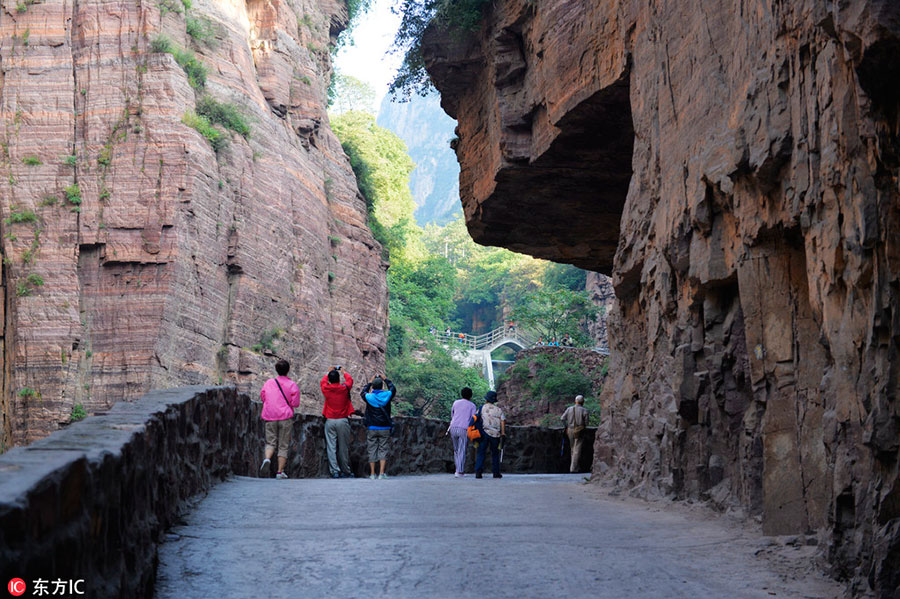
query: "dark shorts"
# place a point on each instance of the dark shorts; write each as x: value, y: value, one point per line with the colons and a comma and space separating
x: 377, y: 441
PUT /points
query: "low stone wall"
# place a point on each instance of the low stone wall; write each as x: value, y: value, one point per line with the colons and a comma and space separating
x: 93, y: 500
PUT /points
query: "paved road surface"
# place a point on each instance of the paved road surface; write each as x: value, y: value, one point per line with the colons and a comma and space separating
x: 436, y: 536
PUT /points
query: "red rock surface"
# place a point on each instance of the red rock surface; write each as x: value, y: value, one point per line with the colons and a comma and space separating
x: 757, y: 272
x: 603, y: 295
x: 179, y: 259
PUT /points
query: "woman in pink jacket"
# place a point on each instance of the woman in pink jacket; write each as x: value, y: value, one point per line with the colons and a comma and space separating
x: 279, y: 396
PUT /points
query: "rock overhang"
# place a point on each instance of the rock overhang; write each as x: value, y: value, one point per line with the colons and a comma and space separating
x: 545, y: 150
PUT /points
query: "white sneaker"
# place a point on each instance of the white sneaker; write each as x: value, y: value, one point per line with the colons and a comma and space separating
x: 264, y: 468
x: 382, y: 476
x: 458, y: 475
x: 281, y: 476
x: 371, y: 477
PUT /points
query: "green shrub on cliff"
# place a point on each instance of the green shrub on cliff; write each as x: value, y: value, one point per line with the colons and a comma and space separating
x: 216, y: 138
x: 222, y: 113
x: 160, y: 45
x: 193, y: 68
x: 73, y: 194
x: 201, y: 30
x: 21, y: 216
x: 187, y: 60
x: 78, y: 413
x: 267, y: 341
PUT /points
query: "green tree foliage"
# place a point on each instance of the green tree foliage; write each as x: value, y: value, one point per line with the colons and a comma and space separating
x: 421, y: 296
x: 382, y: 168
x: 459, y: 17
x: 554, y: 313
x: 429, y: 387
x: 564, y: 276
x: 348, y: 93
x: 355, y: 10
x: 422, y: 285
x: 489, y: 278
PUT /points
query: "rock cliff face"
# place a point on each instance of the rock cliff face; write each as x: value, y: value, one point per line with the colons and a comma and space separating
x: 603, y: 294
x: 135, y: 256
x: 744, y: 157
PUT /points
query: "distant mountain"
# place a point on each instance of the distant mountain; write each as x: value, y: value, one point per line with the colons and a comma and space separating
x: 427, y: 131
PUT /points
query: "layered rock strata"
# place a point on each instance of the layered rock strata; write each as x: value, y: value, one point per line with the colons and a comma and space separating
x: 137, y: 256
x: 756, y: 331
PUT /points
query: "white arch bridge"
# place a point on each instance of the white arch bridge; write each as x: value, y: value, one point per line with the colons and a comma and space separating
x: 475, y: 350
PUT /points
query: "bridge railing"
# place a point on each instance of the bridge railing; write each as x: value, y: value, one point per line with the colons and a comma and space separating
x: 485, y: 340
x: 524, y: 338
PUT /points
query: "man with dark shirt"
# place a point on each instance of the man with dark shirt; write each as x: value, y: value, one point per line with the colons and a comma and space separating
x: 378, y: 422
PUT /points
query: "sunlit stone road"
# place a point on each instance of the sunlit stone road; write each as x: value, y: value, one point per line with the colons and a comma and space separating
x: 436, y: 536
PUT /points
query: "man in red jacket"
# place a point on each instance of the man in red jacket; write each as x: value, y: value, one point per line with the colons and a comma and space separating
x: 337, y: 410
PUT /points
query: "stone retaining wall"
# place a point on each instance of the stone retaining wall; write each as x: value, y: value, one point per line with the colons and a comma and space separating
x: 93, y: 500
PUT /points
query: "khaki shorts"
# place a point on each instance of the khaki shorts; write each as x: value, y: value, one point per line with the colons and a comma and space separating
x: 278, y: 435
x: 377, y: 441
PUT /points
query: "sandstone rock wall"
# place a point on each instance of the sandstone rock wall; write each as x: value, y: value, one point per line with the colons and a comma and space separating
x: 602, y: 294
x: 756, y: 332
x: 173, y: 261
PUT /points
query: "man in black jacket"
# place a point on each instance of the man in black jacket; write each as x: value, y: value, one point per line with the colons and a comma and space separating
x: 378, y: 421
